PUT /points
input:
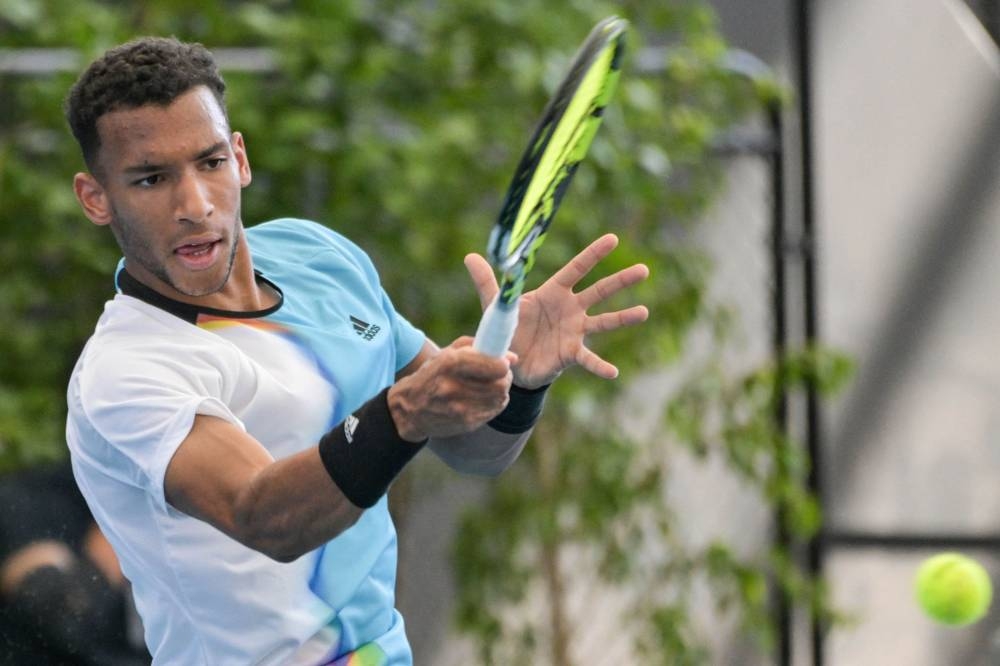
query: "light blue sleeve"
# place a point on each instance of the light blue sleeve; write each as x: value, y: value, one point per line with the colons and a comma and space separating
x: 299, y: 235
x: 408, y: 338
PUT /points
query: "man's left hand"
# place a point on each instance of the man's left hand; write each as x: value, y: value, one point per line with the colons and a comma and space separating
x: 553, y: 323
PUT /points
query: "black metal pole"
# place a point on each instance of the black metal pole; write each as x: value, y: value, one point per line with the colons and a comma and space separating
x: 911, y: 541
x: 991, y: 16
x: 779, y: 344
x: 803, y: 46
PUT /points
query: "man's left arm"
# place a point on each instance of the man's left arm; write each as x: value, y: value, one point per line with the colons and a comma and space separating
x: 553, y: 326
x: 491, y: 448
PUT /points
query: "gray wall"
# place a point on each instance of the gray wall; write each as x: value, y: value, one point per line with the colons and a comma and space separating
x: 908, y: 204
x: 907, y: 130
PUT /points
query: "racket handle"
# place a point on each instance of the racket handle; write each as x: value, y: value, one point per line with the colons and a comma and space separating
x: 496, y: 328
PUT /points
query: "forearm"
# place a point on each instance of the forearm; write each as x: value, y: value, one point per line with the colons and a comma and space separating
x: 288, y: 507
x: 220, y: 474
x: 482, y: 452
x: 493, y: 447
x: 297, y: 504
x: 291, y: 507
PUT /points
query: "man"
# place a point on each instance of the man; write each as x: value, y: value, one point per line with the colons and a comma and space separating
x: 232, y: 431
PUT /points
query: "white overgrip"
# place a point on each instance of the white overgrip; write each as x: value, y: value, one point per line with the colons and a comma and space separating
x: 496, y: 328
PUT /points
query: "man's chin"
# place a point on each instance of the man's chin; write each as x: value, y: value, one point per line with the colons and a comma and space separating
x: 204, y: 282
x: 200, y: 289
x: 195, y: 285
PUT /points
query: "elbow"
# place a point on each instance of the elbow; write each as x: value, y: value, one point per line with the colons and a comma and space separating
x: 282, y: 556
x: 265, y: 537
x: 277, y: 550
x: 272, y: 541
x: 282, y: 538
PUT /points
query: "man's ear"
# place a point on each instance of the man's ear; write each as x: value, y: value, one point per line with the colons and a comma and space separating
x: 92, y: 197
x: 242, y: 161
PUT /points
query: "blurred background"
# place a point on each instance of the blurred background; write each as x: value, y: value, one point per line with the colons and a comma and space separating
x: 814, y: 406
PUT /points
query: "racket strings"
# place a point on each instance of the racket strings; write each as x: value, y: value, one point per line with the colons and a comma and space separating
x: 559, y: 144
x: 569, y: 133
x: 569, y: 157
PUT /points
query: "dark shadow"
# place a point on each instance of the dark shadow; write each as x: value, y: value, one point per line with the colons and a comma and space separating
x: 956, y: 222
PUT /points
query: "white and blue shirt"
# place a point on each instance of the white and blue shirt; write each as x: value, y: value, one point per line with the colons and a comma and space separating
x: 285, y: 375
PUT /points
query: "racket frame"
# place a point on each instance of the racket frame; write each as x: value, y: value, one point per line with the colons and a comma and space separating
x: 499, y: 321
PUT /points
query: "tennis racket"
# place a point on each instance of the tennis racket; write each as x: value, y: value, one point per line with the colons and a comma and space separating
x: 558, y: 145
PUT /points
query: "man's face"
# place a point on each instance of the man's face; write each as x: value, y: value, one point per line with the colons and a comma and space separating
x: 170, y: 178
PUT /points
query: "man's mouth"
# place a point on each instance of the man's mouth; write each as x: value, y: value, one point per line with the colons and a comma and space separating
x: 197, y: 256
x: 195, y: 249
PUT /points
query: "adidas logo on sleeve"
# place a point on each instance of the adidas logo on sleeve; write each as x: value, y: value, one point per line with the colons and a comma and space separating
x: 364, y: 329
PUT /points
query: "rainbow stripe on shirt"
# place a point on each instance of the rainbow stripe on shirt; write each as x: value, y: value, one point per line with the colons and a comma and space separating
x: 369, y: 654
x: 216, y: 323
x: 219, y: 324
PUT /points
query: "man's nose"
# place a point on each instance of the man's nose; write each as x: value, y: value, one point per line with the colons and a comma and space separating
x: 193, y: 203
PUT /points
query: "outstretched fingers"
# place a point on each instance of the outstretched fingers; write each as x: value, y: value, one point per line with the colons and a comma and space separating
x: 596, y: 365
x: 583, y: 263
x: 608, y: 286
x: 612, y: 321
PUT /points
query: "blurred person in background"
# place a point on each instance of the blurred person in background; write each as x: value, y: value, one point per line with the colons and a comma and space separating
x: 63, y: 599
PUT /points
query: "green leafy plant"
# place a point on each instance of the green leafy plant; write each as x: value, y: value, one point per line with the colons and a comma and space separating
x: 398, y: 124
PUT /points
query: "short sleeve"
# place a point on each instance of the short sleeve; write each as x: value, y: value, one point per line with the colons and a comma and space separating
x: 408, y: 338
x: 141, y: 403
x: 307, y: 243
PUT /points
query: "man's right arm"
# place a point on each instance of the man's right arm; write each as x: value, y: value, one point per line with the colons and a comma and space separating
x: 223, y: 476
x: 285, y: 508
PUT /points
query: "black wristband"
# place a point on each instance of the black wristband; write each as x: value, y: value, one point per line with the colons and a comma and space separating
x: 364, y: 453
x: 522, y: 410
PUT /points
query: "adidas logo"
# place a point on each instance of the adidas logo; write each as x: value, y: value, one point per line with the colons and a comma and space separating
x: 364, y: 329
x: 350, y: 425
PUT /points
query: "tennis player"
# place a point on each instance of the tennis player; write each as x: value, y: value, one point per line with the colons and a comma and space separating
x: 249, y: 395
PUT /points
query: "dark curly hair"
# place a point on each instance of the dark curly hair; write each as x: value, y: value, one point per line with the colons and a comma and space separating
x: 148, y: 70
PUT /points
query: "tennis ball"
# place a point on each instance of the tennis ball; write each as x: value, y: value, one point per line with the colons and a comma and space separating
x: 953, y: 589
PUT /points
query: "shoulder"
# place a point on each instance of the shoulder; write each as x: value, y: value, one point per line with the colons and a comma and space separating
x: 299, y: 234
x: 306, y: 243
x: 137, y: 342
x: 292, y: 229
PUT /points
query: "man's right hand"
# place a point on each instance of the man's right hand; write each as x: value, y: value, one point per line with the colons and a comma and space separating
x: 454, y: 391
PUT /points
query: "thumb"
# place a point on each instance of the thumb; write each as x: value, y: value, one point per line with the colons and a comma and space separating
x: 482, y: 277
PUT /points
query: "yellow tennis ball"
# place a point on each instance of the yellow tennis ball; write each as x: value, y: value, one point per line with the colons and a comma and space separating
x: 953, y: 589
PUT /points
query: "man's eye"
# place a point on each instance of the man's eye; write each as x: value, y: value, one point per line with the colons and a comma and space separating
x: 215, y: 162
x: 149, y: 181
